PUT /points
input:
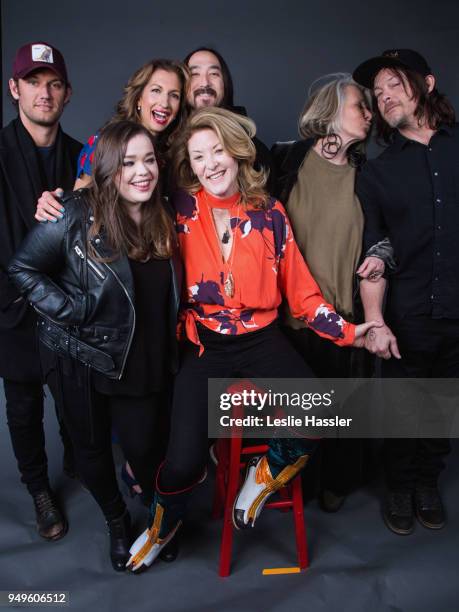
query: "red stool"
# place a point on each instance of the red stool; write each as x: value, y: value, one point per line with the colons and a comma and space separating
x: 232, y: 458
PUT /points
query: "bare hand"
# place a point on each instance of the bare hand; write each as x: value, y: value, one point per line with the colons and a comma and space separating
x: 48, y: 208
x: 372, y: 269
x: 361, y: 331
x: 381, y: 342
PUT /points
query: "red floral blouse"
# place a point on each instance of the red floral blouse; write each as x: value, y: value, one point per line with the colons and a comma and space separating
x: 265, y: 264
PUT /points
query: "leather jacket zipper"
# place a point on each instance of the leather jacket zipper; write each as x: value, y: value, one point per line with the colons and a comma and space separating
x: 78, y: 251
x: 93, y: 267
x: 131, y: 336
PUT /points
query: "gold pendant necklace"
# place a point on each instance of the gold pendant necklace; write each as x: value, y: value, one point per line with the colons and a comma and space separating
x: 228, y: 284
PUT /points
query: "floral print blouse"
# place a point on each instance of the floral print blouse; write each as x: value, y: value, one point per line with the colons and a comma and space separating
x: 265, y: 265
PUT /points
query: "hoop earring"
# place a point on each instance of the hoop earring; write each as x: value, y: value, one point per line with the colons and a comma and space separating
x: 331, y: 145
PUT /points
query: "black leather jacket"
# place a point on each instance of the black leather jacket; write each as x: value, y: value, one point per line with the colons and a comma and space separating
x: 87, y: 308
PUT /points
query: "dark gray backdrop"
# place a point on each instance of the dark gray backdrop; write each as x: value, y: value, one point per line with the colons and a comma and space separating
x: 274, y: 48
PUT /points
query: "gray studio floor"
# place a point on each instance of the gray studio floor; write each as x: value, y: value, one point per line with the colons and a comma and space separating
x: 356, y: 563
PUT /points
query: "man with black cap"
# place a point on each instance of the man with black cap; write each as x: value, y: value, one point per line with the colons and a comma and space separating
x: 410, y: 193
x: 34, y: 155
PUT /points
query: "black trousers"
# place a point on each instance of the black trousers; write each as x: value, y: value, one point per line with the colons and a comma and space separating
x: 342, y: 462
x: 264, y: 354
x: 429, y: 349
x: 139, y: 423
x: 24, y: 411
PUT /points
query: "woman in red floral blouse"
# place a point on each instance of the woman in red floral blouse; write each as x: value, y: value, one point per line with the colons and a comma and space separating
x: 240, y: 260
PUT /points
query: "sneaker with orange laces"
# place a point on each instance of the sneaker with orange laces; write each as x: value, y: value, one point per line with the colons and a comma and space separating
x: 258, y: 486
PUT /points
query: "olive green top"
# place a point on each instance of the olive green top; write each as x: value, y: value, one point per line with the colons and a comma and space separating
x: 327, y: 222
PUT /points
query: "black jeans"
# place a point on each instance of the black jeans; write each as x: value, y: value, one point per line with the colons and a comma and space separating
x: 264, y: 354
x: 429, y: 349
x: 343, y: 462
x: 139, y: 424
x: 24, y: 411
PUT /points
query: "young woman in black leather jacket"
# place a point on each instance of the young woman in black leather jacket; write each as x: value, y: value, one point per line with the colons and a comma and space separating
x: 105, y: 281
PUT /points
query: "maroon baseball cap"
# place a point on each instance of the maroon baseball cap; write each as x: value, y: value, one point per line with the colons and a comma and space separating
x: 39, y: 55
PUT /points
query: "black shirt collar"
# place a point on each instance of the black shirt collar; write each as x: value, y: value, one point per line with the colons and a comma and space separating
x: 400, y: 142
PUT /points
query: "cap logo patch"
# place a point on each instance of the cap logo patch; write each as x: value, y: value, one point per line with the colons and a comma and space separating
x: 392, y: 54
x: 42, y: 53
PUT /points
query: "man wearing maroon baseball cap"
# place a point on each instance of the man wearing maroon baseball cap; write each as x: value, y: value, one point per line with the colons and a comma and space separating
x: 35, y: 154
x: 37, y: 55
x: 410, y: 194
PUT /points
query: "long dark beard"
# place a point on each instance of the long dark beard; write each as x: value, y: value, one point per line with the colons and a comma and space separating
x: 331, y: 146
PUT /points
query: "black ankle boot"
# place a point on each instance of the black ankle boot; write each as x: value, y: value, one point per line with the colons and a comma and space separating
x: 170, y: 552
x: 119, y: 530
x: 51, y: 523
x: 166, y: 514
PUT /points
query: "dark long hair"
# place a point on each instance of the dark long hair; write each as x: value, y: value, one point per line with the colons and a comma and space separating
x: 433, y: 108
x: 228, y: 95
x: 156, y: 236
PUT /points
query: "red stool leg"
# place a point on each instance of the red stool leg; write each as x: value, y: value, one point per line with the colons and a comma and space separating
x: 232, y: 489
x: 298, y: 517
x: 285, y: 494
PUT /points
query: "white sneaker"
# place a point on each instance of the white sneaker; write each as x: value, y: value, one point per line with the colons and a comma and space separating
x: 146, y: 548
x: 258, y: 486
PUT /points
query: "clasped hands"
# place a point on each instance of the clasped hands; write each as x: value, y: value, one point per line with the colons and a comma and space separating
x: 380, y: 341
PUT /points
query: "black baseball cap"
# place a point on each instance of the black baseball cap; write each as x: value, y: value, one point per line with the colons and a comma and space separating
x: 391, y: 58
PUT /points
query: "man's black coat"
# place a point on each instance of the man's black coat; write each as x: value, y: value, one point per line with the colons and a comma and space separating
x: 21, y: 184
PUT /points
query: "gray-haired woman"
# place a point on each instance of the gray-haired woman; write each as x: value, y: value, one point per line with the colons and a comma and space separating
x: 316, y: 180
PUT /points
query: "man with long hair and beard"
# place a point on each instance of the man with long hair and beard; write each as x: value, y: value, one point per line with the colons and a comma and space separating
x: 410, y: 194
x: 211, y: 84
